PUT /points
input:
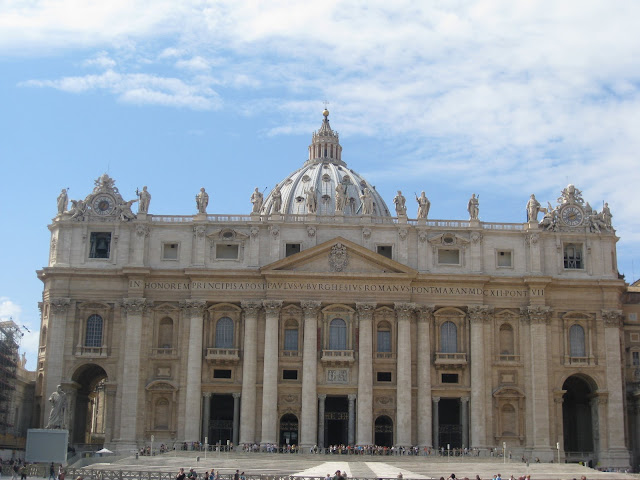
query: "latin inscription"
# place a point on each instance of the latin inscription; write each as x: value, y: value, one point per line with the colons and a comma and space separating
x: 336, y: 287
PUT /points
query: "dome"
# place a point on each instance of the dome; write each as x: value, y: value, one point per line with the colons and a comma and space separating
x: 321, y: 174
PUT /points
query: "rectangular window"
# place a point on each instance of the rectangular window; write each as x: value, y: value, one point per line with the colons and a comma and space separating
x: 99, y: 244
x: 573, y: 256
x: 504, y: 258
x: 384, y: 341
x: 226, y: 251
x: 635, y: 337
x: 291, y: 339
x: 219, y: 373
x: 636, y: 358
x: 449, y: 378
x: 169, y: 251
x: 289, y: 374
x: 633, y: 317
x: 291, y: 249
x: 384, y: 376
x: 385, y: 250
x: 448, y: 256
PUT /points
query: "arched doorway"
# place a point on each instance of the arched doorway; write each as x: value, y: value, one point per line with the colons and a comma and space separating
x: 90, y: 412
x: 288, y: 430
x: 383, y: 430
x: 577, y: 416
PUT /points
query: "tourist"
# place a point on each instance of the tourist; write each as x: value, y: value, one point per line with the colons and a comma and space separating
x: 52, y: 472
x: 181, y: 475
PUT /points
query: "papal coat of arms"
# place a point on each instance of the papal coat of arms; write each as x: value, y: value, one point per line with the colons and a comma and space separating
x: 338, y: 258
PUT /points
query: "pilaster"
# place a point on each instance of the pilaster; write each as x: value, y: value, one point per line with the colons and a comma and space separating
x: 199, y: 243
x: 270, y: 372
x: 309, y: 413
x: 236, y: 418
x: 352, y: 421
x: 321, y: 399
x: 436, y: 423
x: 364, y: 431
x: 193, y: 311
x: 206, y: 414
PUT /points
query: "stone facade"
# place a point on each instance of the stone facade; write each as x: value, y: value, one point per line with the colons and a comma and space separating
x: 314, y: 322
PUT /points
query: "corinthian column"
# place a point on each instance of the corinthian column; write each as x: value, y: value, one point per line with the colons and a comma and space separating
x: 425, y: 319
x: 403, y: 374
x: 270, y: 373
x: 193, y: 310
x: 309, y: 414
x: 133, y: 309
x: 56, y: 334
x: 249, y: 366
x: 615, y: 405
x: 478, y: 317
x: 365, y: 374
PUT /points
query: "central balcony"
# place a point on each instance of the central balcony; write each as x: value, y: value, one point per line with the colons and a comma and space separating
x: 450, y: 360
x: 337, y: 357
x: 222, y: 356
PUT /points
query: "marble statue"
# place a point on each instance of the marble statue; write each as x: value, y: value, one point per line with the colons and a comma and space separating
x: 256, y: 199
x: 124, y: 211
x: 63, y: 201
x: 145, y: 199
x: 312, y: 201
x: 202, y: 200
x: 606, y: 216
x: 78, y: 208
x: 423, y: 205
x: 367, y: 202
x: 400, y: 202
x: 341, y: 197
x: 549, y: 221
x: 58, y: 412
x: 533, y: 208
x: 277, y: 200
x: 473, y: 207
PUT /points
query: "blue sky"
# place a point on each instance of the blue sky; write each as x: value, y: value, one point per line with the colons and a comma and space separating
x: 499, y: 98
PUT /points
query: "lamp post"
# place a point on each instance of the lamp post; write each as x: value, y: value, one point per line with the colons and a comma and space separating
x: 504, y: 452
x: 558, y: 448
x: 153, y: 437
x: 448, y: 451
x: 206, y: 447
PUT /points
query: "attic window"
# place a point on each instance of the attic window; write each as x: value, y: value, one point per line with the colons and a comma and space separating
x: 227, y: 251
x: 292, y: 249
x: 385, y: 250
x: 448, y: 256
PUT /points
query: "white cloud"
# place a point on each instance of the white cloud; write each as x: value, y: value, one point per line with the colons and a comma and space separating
x: 9, y: 310
x: 100, y: 60
x: 196, y: 63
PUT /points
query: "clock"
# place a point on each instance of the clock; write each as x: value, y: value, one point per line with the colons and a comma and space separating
x: 103, y: 204
x: 572, y: 215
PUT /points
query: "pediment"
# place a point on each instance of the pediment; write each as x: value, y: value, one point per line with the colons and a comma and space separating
x: 338, y: 257
x: 448, y: 240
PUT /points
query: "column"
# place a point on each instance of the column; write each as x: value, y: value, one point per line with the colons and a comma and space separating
x: 425, y: 319
x: 464, y: 420
x: 364, y: 431
x: 478, y: 316
x: 206, y: 414
x: 309, y: 414
x: 403, y: 375
x: 193, y: 311
x: 270, y: 372
x: 56, y: 333
x: 618, y: 455
x: 110, y: 408
x: 249, y: 366
x: 321, y: 400
x: 236, y: 418
x: 539, y: 317
x: 133, y: 309
x: 352, y: 421
x: 436, y: 424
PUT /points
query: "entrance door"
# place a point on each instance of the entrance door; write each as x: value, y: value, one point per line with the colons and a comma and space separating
x: 221, y: 419
x: 576, y: 416
x: 449, y: 417
x: 288, y: 430
x: 336, y: 420
x: 383, y: 431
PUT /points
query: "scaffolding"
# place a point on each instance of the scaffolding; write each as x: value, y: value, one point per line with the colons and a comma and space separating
x: 10, y: 336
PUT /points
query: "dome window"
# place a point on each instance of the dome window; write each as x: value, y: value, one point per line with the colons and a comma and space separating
x: 326, y: 177
x: 306, y: 178
x: 299, y: 199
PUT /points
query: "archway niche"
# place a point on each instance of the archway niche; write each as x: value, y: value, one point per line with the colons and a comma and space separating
x: 578, y: 416
x: 288, y: 430
x: 89, y: 415
x: 383, y: 429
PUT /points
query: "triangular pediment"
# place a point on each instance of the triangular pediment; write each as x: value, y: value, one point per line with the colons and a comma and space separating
x: 338, y: 257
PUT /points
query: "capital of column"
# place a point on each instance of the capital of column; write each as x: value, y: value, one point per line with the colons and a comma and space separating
x: 612, y: 318
x: 464, y: 399
x: 272, y: 307
x: 310, y: 307
x: 435, y: 399
x: 236, y: 395
x: 251, y: 307
x: 351, y: 397
x: 322, y: 396
x: 59, y: 305
x: 425, y: 312
x: 206, y: 394
x: 404, y: 310
x: 193, y: 308
x: 365, y: 310
x: 134, y: 305
x: 538, y: 314
x: 479, y: 313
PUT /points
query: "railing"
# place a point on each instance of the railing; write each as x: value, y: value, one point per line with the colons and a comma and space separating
x: 163, y: 352
x: 92, y: 351
x: 389, y: 355
x: 502, y: 226
x: 290, y: 353
x: 578, y: 360
x: 337, y: 356
x: 90, y: 474
x: 172, y: 218
x: 223, y: 355
x: 507, y: 358
x: 459, y: 358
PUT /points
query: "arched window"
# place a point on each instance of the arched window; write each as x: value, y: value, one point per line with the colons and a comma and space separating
x: 448, y: 338
x: 506, y: 339
x: 576, y: 341
x: 165, y: 333
x: 224, y: 333
x: 337, y: 334
x: 384, y: 337
x: 93, y: 333
x: 291, y: 336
